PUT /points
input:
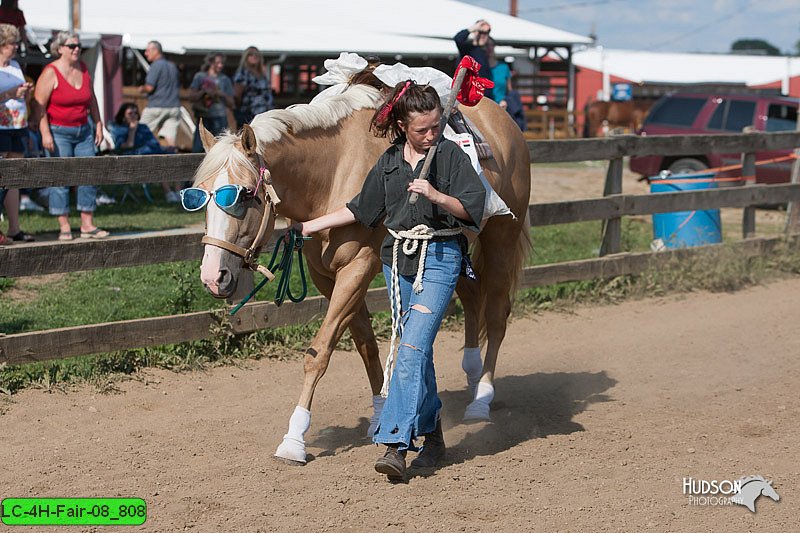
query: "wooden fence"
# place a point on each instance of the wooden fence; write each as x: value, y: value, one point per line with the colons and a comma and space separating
x: 177, y: 245
x: 549, y: 124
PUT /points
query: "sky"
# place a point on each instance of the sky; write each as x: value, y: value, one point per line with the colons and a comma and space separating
x: 666, y: 25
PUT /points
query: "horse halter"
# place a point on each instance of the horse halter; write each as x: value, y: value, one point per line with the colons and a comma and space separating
x: 250, y: 255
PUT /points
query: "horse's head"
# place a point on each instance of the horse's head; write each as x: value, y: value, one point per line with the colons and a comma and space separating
x: 233, y: 182
x: 769, y: 491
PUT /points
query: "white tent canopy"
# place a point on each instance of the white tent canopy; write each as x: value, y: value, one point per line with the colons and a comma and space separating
x: 412, y: 27
x: 655, y: 67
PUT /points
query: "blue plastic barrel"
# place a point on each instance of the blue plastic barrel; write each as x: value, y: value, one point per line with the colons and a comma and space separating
x: 682, y: 229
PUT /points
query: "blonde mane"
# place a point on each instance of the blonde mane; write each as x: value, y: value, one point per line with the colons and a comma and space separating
x: 225, y: 156
x: 271, y: 126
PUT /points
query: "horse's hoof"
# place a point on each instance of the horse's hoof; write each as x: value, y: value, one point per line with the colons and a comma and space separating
x: 291, y: 451
x: 289, y: 462
x: 477, y: 410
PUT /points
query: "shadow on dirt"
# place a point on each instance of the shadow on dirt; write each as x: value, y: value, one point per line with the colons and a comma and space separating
x: 337, y: 439
x: 525, y: 408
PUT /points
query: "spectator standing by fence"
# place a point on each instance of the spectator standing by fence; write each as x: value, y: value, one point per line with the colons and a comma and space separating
x: 501, y: 75
x: 163, y: 112
x: 162, y: 87
x: 66, y: 101
x: 503, y: 92
x: 251, y: 87
x: 212, y: 95
x: 13, y: 124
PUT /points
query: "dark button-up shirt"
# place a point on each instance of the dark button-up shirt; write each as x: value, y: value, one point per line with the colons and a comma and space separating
x: 385, y: 197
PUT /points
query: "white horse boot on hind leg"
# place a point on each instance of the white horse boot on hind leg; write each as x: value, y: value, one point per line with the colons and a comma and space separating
x: 293, y: 447
x: 479, y: 408
x: 377, y: 408
x: 473, y: 367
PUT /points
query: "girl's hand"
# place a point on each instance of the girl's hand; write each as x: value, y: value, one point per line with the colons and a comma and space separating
x: 424, y: 188
x: 297, y: 227
x: 47, y: 142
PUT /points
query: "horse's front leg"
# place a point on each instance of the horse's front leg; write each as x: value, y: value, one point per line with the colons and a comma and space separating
x: 346, y: 299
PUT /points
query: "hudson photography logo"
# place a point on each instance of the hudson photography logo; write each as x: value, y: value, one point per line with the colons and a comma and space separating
x: 744, y: 491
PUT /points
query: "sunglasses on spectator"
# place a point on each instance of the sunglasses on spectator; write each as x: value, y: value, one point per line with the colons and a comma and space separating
x: 73, y: 46
x: 228, y: 198
x: 487, y: 32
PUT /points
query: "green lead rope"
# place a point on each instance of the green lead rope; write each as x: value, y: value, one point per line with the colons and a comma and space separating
x: 284, y: 289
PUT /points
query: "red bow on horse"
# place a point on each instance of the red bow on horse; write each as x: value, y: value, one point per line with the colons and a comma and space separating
x: 473, y: 86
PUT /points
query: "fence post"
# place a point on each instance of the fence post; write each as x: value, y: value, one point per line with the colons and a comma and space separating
x: 749, y: 215
x: 793, y: 209
x: 612, y: 227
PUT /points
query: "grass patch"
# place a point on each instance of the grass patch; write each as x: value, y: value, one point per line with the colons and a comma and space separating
x: 581, y: 240
x: 720, y: 269
x: 129, y: 217
x: 156, y: 290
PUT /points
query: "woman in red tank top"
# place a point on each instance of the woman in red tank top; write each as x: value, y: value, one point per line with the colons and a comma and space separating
x: 66, y: 100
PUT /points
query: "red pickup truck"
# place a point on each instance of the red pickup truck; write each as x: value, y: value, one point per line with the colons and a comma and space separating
x: 710, y: 113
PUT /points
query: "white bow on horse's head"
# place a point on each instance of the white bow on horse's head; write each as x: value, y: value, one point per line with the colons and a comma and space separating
x: 234, y: 234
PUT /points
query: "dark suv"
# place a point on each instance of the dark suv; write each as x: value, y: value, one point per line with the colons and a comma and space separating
x: 695, y: 113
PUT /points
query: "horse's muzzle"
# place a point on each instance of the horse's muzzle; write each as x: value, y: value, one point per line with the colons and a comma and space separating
x: 223, y: 286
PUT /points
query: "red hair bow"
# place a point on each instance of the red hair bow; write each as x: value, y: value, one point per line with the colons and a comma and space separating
x: 383, y: 115
x: 472, y: 88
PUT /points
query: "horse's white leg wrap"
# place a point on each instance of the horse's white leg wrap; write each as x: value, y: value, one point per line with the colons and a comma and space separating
x: 472, y: 366
x: 479, y: 408
x: 293, y: 447
x: 377, y: 407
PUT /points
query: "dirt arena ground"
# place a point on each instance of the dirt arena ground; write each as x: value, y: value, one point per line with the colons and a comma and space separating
x: 599, y: 415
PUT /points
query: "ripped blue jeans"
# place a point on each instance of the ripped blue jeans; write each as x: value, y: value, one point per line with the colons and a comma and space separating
x: 413, y: 405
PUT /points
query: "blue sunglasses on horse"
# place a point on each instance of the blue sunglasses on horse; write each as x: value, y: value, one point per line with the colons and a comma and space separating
x: 229, y: 198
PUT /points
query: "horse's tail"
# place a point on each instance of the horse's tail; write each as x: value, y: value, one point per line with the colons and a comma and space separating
x: 522, y: 249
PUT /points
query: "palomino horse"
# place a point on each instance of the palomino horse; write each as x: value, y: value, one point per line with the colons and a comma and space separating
x: 317, y: 156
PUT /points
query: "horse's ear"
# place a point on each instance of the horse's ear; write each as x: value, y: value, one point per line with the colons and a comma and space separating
x: 206, y: 137
x: 249, y: 141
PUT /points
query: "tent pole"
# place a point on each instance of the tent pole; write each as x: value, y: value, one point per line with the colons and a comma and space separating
x: 75, y: 16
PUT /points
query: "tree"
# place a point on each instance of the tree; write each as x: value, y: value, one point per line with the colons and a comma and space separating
x: 755, y: 46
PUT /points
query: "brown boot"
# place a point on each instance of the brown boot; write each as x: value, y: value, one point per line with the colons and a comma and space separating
x: 393, y: 463
x: 433, y: 449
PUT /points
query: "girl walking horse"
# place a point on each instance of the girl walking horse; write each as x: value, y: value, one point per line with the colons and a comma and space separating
x: 310, y: 160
